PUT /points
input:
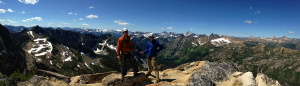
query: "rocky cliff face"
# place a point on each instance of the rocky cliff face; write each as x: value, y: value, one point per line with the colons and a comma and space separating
x: 57, y: 50
x: 11, y: 55
x: 199, y: 73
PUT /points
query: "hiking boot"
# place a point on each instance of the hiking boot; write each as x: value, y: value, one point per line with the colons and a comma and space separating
x: 136, y: 74
x: 148, y: 74
x: 157, y: 81
x: 122, y: 78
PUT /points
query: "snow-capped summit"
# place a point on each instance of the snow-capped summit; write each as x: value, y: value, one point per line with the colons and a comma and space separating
x: 220, y: 41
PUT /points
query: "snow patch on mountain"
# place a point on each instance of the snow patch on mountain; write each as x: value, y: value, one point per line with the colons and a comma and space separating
x: 220, y: 41
x: 102, y: 51
x: 87, y: 65
x: 51, y: 62
x: 81, y: 53
x: 201, y: 43
x: 194, y: 44
x: 68, y: 59
x: 66, y: 54
x: 30, y: 33
x: 41, y: 47
x: 148, y: 34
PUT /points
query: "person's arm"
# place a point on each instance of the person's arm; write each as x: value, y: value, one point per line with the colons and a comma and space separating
x: 119, y: 47
x: 147, y: 49
x: 160, y: 46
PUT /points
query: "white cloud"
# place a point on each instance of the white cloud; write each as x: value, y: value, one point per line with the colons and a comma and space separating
x: 170, y: 28
x: 29, y: 1
x: 1, y: 2
x: 34, y: 18
x: 50, y: 23
x: 2, y: 11
x: 80, y: 18
x: 38, y: 18
x: 23, y: 12
x: 250, y: 22
x: 9, y: 10
x: 291, y: 32
x: 85, y: 24
x: 1, y: 20
x: 120, y: 22
x: 91, y: 7
x: 191, y: 28
x: 65, y: 23
x: 257, y: 12
x: 91, y: 16
x: 10, y: 21
x: 250, y: 8
x: 71, y: 13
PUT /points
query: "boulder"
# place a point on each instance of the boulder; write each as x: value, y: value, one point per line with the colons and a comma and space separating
x: 42, y: 81
x: 115, y: 80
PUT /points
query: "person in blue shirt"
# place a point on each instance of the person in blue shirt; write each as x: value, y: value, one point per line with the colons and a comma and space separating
x: 153, y: 47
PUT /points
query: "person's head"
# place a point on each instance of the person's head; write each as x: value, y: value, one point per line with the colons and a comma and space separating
x: 125, y: 31
x: 151, y: 38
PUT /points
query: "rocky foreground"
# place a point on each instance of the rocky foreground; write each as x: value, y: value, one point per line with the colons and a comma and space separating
x: 200, y: 73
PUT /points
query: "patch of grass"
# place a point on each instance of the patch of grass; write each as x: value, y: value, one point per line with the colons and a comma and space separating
x: 4, y: 83
x: 18, y: 77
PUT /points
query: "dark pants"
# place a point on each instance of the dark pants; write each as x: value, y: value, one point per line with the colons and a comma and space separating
x: 128, y: 61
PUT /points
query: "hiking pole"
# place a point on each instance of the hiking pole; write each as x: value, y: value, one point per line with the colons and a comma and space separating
x: 121, y: 65
x: 144, y: 64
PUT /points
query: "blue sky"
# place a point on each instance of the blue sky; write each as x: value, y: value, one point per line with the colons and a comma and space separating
x: 243, y: 18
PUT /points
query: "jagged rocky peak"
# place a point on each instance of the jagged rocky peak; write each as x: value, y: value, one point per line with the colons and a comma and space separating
x: 273, y: 37
x: 189, y: 34
x: 202, y: 36
x: 199, y: 73
x: 5, y: 35
x: 284, y: 38
x: 4, y: 31
x: 251, y: 37
x: 213, y: 36
x: 39, y: 30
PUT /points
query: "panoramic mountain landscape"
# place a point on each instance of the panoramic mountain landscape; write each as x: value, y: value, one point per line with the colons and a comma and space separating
x: 31, y: 51
x: 205, y: 42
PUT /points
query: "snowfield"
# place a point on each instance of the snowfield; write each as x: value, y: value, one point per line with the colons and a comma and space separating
x: 102, y: 51
x: 42, y: 44
x: 220, y: 41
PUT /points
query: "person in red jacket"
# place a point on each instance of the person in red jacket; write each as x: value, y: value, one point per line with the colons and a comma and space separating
x: 124, y: 47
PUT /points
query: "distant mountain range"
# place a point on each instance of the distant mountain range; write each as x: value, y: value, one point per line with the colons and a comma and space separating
x: 75, y: 51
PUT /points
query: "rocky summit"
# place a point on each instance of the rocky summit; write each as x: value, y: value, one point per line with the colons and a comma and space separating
x: 199, y: 73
